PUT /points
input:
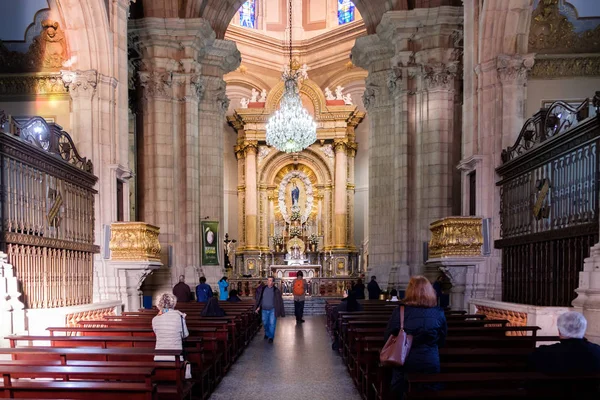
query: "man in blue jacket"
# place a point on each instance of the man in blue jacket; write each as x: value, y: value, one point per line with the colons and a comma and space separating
x: 203, y: 291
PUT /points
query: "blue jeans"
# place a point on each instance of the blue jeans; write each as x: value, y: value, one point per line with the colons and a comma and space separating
x: 269, y: 322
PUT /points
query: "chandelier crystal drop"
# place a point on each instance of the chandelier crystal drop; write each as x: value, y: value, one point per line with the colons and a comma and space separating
x: 291, y: 129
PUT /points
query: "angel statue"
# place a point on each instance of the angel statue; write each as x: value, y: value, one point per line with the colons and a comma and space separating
x: 254, y: 98
x: 263, y: 96
x: 244, y: 102
x: 328, y: 94
x: 339, y: 95
x: 348, y: 99
x: 303, y: 72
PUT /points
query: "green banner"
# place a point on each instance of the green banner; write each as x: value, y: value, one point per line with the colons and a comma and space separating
x: 210, y: 242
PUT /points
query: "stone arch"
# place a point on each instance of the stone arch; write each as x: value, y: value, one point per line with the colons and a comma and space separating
x: 87, y: 32
x: 308, y: 88
x: 509, y: 32
x: 346, y: 78
x: 309, y: 157
x: 247, y: 80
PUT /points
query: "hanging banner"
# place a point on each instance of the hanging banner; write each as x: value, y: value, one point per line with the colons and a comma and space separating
x: 210, y: 242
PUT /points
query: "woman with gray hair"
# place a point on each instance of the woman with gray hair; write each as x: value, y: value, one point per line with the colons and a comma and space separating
x: 573, y: 355
x: 169, y: 326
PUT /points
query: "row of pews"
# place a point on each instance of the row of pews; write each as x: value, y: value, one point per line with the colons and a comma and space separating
x: 113, y: 358
x: 482, y: 359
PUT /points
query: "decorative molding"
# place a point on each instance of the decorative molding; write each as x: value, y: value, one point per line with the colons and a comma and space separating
x: 565, y: 67
x: 32, y: 84
x: 515, y: 318
x: 40, y: 241
x: 455, y: 237
x: 552, y: 32
x: 137, y: 241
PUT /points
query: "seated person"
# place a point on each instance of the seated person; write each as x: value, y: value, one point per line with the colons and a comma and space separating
x: 233, y: 297
x: 212, y: 309
x: 394, y: 295
x: 348, y: 303
x: 573, y: 355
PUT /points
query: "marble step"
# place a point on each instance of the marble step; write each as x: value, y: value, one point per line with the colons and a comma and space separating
x: 312, y: 306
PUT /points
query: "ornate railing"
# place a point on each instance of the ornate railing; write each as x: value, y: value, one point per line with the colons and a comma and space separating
x: 321, y: 287
x: 134, y: 241
x: 549, y: 204
x: 557, y: 119
x: 47, y: 213
x: 455, y: 237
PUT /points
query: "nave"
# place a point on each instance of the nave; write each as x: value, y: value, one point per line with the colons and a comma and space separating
x: 298, y: 365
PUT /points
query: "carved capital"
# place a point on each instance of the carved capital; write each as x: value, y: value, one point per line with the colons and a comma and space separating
x: 156, y: 84
x: 214, y: 94
x: 440, y: 76
x: 513, y: 69
x: 80, y: 82
x: 196, y: 86
x: 394, y: 79
x: 245, y: 148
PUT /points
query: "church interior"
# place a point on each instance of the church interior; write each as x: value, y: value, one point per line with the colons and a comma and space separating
x: 150, y: 143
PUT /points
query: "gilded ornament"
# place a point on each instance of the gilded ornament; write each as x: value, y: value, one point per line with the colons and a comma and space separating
x: 456, y: 237
x: 137, y: 241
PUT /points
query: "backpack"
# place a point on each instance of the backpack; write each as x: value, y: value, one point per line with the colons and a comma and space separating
x: 298, y: 289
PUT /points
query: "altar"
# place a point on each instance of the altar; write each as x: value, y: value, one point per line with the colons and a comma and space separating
x: 290, y: 271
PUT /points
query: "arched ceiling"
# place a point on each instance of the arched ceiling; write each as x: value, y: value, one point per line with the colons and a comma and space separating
x: 220, y: 12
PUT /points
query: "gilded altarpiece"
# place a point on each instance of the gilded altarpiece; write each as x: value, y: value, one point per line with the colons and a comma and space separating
x: 296, y: 205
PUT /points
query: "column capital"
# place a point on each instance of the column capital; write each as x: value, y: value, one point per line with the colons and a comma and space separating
x: 157, y: 84
x: 345, y: 146
x: 246, y: 147
x: 80, y: 83
x: 512, y: 69
x: 215, y: 95
x: 440, y: 75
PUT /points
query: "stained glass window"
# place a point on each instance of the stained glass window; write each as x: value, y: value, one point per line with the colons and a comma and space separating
x: 345, y: 11
x: 248, y: 14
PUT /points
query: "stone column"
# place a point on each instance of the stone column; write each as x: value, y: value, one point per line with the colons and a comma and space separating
x: 340, y: 198
x: 251, y: 196
x: 181, y: 148
x: 82, y: 87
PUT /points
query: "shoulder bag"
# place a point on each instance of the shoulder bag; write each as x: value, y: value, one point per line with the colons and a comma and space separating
x: 396, y: 349
x: 186, y: 363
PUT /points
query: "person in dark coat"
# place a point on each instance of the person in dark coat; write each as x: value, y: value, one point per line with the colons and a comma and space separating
x: 373, y: 289
x: 270, y: 303
x: 427, y: 324
x: 233, y: 297
x: 359, y: 289
x: 349, y: 304
x: 573, y: 355
x: 212, y: 309
x: 182, y: 291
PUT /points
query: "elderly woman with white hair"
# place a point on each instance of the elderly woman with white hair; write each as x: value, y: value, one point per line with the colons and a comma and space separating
x: 573, y: 355
x: 169, y: 326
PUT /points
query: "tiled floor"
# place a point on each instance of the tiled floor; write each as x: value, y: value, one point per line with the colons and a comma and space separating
x: 299, y: 365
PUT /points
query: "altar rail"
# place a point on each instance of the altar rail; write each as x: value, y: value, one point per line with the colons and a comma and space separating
x: 47, y: 213
x: 322, y: 287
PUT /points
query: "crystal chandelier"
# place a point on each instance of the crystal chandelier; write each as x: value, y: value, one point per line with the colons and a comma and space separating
x: 291, y: 128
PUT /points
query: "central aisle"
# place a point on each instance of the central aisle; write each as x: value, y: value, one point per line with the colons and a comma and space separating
x: 299, y: 365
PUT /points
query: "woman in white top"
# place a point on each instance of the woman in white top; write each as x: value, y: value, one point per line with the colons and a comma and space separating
x: 169, y: 326
x: 394, y: 295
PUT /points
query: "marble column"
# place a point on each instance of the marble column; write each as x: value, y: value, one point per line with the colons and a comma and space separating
x: 251, y: 196
x: 340, y: 197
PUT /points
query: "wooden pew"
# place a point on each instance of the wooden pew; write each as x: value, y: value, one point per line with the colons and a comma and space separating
x: 170, y: 376
x: 77, y: 390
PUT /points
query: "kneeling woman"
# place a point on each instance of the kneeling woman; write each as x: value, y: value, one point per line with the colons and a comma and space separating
x: 427, y: 324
